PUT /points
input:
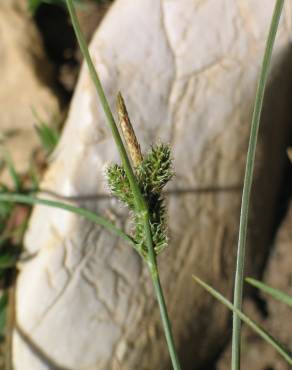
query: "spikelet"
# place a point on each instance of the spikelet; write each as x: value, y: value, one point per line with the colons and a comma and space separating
x: 152, y: 173
x: 128, y: 132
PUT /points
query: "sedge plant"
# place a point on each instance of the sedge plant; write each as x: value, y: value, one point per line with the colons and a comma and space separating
x: 138, y: 182
x: 143, y: 184
x: 247, y: 185
x: 236, y: 307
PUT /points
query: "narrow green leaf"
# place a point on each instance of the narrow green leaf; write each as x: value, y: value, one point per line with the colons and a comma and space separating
x: 48, y: 133
x: 5, y: 209
x: 275, y: 293
x: 3, y: 306
x: 29, y: 199
x: 248, y: 176
x: 48, y: 136
x: 12, y: 172
x: 286, y: 354
x: 34, y: 178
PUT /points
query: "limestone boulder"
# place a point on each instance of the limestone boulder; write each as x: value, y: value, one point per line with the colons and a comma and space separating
x: 188, y: 71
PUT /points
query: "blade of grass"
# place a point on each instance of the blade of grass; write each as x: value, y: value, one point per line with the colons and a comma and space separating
x: 239, y: 275
x: 3, y: 306
x: 12, y: 171
x: 47, y: 132
x: 28, y: 199
x: 140, y: 205
x: 275, y: 293
x: 252, y: 324
x: 48, y: 136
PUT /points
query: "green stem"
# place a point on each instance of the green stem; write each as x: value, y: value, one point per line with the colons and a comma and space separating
x: 239, y: 276
x: 152, y: 264
x: 139, y: 200
x: 28, y: 199
x: 165, y: 319
x: 140, y: 204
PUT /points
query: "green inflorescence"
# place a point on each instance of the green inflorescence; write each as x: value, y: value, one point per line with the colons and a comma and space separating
x: 152, y: 175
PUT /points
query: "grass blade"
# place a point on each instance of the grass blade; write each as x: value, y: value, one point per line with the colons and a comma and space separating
x: 275, y: 293
x: 239, y: 275
x: 3, y: 306
x: 48, y: 136
x: 286, y: 354
x: 12, y: 172
x: 28, y: 199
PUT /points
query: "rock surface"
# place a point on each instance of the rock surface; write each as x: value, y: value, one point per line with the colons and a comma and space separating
x: 188, y: 73
x: 25, y: 80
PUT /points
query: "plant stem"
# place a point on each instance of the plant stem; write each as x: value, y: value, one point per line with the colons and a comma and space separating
x: 140, y: 204
x: 139, y: 200
x: 152, y: 264
x: 165, y: 319
x: 239, y: 276
x: 28, y: 199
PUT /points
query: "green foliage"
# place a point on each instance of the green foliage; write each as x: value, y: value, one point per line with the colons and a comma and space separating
x: 275, y: 293
x: 49, y: 137
x: 8, y: 259
x: 5, y: 209
x: 3, y: 307
x: 48, y: 132
x: 247, y: 185
x: 152, y: 175
x: 20, y: 198
x: 13, y: 218
x: 279, y: 347
x: 15, y: 177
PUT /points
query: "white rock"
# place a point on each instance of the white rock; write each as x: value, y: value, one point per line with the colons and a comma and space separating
x: 188, y: 73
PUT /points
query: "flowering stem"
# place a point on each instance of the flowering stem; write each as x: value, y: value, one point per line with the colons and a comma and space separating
x: 141, y: 207
x: 164, y: 317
